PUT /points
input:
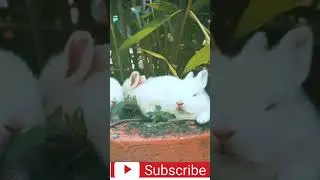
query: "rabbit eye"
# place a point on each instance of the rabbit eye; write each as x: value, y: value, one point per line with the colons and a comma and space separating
x: 195, y: 94
x: 271, y: 106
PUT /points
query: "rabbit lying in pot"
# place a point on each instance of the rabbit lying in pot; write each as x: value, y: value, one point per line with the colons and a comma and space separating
x: 185, y: 98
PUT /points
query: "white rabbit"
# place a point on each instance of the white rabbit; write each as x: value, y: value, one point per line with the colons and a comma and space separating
x: 132, y: 82
x: 153, y: 91
x: 116, y: 92
x: 77, y: 77
x: 261, y: 113
x: 135, y: 80
x: 169, y: 91
x: 191, y: 101
x: 21, y: 100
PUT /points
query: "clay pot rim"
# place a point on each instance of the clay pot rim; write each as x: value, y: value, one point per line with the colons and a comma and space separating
x: 181, y: 137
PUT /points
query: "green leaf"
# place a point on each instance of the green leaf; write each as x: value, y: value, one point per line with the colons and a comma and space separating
x: 167, y: 116
x: 259, y: 12
x: 205, y: 31
x: 146, y: 15
x: 163, y: 6
x: 55, y: 119
x: 159, y: 56
x: 201, y: 57
x: 158, y: 108
x: 147, y: 30
x: 24, y: 143
x: 134, y: 3
x: 78, y: 123
x: 117, y: 107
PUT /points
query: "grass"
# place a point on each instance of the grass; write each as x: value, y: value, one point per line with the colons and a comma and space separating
x: 165, y: 128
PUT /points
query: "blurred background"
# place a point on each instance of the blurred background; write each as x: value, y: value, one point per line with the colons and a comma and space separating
x: 36, y: 29
x: 234, y: 21
x: 159, y: 37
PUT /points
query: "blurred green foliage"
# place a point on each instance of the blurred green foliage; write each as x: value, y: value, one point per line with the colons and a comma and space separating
x: 163, y: 37
x: 58, y: 150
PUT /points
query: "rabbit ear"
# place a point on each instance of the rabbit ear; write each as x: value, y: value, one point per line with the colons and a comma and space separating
x: 256, y: 44
x: 297, y: 46
x: 99, y: 62
x: 80, y: 53
x: 189, y: 75
x: 135, y: 78
x: 202, y: 77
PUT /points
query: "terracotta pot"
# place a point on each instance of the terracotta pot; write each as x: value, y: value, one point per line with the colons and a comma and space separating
x: 133, y: 147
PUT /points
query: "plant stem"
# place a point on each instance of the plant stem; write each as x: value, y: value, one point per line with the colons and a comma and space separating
x: 116, y: 50
x: 122, y: 19
x: 180, y: 33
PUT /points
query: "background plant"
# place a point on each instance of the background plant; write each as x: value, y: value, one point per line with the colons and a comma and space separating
x: 163, y: 37
x: 235, y: 21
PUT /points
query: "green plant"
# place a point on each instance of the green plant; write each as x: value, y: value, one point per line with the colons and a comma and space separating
x: 58, y: 150
x: 267, y: 10
x: 232, y: 26
x: 158, y: 115
x: 168, y: 38
x: 129, y: 111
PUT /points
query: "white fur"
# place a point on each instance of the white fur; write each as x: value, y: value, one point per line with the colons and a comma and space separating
x: 155, y: 91
x: 80, y: 88
x: 166, y: 91
x: 226, y: 168
x: 116, y: 91
x: 20, y: 96
x: 195, y: 98
x: 286, y: 138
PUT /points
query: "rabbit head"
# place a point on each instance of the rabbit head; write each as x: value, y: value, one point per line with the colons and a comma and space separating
x: 259, y: 105
x: 69, y: 70
x: 76, y: 78
x: 190, y: 100
x: 133, y: 82
x: 116, y: 92
x: 21, y: 99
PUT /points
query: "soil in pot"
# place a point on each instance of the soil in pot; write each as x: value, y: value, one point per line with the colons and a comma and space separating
x: 163, y: 141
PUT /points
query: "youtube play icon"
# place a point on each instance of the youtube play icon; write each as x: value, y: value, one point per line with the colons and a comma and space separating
x: 126, y: 169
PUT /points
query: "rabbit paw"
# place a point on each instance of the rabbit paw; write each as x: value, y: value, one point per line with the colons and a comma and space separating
x: 203, y: 118
x: 298, y: 172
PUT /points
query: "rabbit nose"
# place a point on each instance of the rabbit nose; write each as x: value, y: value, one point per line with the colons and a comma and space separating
x: 223, y: 135
x: 113, y: 102
x: 179, y: 103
